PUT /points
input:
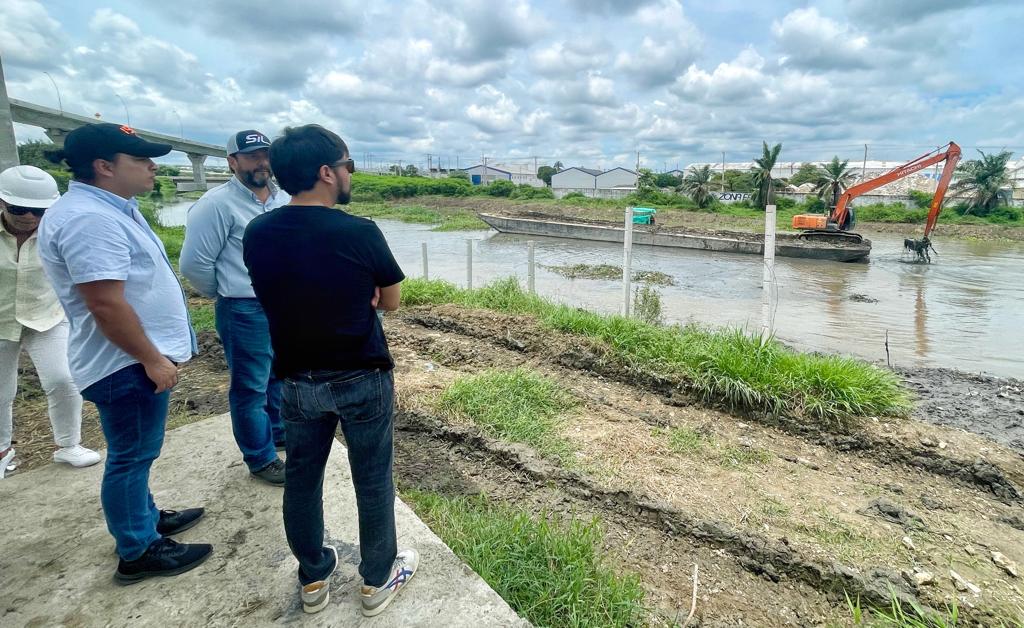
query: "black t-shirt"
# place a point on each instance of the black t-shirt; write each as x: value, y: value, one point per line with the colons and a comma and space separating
x: 314, y: 270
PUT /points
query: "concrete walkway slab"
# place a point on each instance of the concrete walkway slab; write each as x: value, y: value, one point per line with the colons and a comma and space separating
x: 57, y: 559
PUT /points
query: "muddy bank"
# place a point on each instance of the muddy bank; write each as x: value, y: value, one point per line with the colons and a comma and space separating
x: 990, y: 406
x: 781, y: 536
x: 707, y: 220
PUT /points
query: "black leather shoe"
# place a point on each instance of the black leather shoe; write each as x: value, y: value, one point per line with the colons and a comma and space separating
x: 164, y: 557
x: 272, y: 474
x: 174, y: 522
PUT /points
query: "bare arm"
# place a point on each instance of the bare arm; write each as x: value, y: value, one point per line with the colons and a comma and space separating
x: 390, y: 296
x: 120, y: 324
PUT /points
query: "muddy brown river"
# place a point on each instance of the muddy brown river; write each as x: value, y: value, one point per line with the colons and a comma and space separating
x: 964, y: 311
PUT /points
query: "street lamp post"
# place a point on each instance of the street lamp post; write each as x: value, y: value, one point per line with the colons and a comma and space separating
x: 181, y: 129
x: 127, y: 115
x: 60, y: 103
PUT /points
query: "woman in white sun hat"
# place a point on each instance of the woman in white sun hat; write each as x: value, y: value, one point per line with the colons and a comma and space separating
x: 31, y: 317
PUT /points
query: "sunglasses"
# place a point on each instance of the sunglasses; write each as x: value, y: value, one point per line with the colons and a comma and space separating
x: 21, y: 211
x: 349, y: 165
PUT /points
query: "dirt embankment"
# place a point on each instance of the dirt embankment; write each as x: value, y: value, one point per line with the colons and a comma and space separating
x: 702, y: 221
x: 782, y: 518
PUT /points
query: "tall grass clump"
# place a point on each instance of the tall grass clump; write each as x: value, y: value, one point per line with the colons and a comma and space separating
x: 516, y: 405
x: 726, y: 367
x: 550, y: 571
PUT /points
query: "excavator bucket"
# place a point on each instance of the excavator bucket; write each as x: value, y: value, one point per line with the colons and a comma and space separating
x: 920, y: 249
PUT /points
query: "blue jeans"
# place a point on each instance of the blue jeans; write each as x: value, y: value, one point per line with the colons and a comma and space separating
x: 133, y: 418
x: 254, y: 396
x: 314, y: 404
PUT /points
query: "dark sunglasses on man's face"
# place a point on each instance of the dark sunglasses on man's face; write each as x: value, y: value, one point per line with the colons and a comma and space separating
x: 349, y: 165
x: 21, y: 211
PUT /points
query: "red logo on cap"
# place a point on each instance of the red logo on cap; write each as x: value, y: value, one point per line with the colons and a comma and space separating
x: 127, y: 130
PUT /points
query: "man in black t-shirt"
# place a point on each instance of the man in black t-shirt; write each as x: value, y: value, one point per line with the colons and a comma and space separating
x: 319, y: 273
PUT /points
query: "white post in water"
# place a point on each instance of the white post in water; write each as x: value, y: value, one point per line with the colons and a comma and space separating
x: 469, y: 264
x: 423, y: 247
x: 530, y: 276
x: 768, y: 275
x: 627, y: 259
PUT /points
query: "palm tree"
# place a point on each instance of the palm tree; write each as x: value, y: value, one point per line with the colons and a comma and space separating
x: 764, y: 184
x: 697, y: 184
x: 558, y: 166
x: 833, y: 180
x: 983, y: 179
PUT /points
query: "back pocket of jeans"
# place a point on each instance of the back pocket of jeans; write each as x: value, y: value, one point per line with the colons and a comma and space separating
x: 359, y: 398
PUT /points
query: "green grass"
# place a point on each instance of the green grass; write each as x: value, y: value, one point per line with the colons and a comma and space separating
x: 173, y: 238
x: 684, y: 440
x: 446, y: 220
x: 202, y: 317
x: 516, y: 405
x: 724, y: 367
x: 550, y: 571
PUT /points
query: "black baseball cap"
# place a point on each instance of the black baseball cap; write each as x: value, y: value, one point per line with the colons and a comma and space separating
x: 99, y: 141
x: 247, y: 142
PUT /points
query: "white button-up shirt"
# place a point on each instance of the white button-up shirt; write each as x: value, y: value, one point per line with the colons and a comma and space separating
x: 91, y: 234
x: 26, y: 298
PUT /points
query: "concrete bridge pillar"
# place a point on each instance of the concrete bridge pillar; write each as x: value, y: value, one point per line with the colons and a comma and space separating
x: 198, y: 169
x: 57, y: 136
x: 8, y: 144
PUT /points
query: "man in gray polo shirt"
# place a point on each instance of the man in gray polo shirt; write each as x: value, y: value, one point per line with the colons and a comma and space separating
x: 129, y: 331
x: 211, y: 259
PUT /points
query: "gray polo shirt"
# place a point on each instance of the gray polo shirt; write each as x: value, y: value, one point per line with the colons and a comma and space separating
x: 91, y: 234
x: 211, y: 256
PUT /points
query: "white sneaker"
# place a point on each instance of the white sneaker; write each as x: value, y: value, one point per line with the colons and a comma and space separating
x: 376, y: 599
x: 316, y: 595
x: 76, y: 456
x: 6, y: 460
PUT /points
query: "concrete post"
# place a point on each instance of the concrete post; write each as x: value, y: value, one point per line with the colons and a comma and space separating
x: 627, y: 260
x: 469, y: 264
x: 8, y: 144
x: 530, y: 273
x: 768, y: 276
x: 57, y: 136
x: 426, y: 272
x: 198, y: 170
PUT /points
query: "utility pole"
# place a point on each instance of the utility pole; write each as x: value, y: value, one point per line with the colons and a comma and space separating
x: 483, y: 180
x: 864, y: 166
x: 723, y: 170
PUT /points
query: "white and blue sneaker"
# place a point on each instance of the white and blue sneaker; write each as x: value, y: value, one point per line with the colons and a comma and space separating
x: 316, y: 595
x: 376, y: 599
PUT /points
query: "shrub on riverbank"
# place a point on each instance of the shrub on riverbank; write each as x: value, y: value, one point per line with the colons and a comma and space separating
x: 724, y: 367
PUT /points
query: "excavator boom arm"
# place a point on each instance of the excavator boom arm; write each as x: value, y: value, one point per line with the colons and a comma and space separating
x: 951, y: 156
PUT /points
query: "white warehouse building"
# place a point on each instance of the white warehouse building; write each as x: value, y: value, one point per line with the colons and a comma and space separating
x: 520, y: 174
x: 614, y: 183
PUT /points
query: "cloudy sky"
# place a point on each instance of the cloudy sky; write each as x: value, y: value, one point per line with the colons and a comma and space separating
x: 586, y: 82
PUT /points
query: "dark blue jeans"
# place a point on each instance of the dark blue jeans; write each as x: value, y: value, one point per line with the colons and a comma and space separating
x: 254, y: 396
x: 314, y: 404
x: 133, y: 418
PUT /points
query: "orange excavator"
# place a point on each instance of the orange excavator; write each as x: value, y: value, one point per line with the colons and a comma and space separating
x: 837, y: 224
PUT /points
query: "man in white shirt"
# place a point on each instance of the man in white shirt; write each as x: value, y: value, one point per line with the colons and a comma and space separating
x: 31, y: 317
